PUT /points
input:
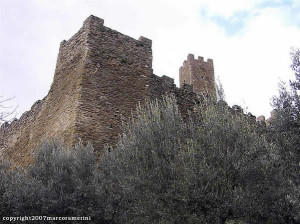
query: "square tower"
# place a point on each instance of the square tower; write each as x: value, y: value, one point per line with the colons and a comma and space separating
x: 199, y: 74
x: 100, y: 77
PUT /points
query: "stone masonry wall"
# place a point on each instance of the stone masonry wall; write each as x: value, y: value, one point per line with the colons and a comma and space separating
x: 198, y: 73
x: 54, y: 116
x: 101, y: 76
x: 116, y: 78
x: 185, y: 96
x: 18, y: 132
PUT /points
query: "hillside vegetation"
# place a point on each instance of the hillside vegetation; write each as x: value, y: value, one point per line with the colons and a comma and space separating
x: 215, y: 167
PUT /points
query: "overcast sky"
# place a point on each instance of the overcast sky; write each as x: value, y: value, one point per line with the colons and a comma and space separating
x: 249, y: 41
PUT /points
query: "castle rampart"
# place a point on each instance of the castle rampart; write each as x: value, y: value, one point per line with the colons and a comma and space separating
x: 55, y: 115
x: 115, y: 78
x: 101, y: 75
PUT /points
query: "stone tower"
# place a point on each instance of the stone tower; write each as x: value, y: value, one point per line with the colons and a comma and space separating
x: 101, y: 76
x: 199, y: 74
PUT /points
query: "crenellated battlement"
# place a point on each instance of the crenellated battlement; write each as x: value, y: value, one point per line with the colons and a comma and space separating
x: 199, y: 74
x: 199, y: 60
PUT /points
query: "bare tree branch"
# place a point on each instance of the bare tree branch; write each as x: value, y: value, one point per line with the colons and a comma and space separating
x: 4, y: 115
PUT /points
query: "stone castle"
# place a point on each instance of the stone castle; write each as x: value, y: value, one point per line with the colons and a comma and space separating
x: 101, y: 75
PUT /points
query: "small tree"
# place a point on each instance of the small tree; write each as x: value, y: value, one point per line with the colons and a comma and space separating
x: 220, y: 90
x: 295, y: 55
x: 285, y: 129
x: 285, y: 125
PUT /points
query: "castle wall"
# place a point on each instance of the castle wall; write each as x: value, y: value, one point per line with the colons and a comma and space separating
x: 185, y: 76
x: 101, y: 76
x: 116, y: 78
x: 18, y: 133
x: 54, y: 116
x: 185, y: 97
x: 161, y: 86
x: 198, y: 73
x: 57, y: 117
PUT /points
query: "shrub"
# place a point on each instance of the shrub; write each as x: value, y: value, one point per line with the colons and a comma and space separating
x: 60, y: 182
x: 212, y: 169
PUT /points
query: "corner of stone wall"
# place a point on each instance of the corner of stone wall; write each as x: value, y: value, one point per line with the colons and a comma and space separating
x: 93, y: 21
x: 145, y: 41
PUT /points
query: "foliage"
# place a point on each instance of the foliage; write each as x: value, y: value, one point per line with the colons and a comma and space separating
x: 285, y: 129
x: 220, y: 90
x: 287, y: 104
x: 209, y: 170
x: 295, y: 55
x: 213, y: 168
x: 61, y: 182
x: 285, y: 125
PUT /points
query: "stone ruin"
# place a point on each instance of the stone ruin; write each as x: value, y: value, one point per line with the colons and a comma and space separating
x: 100, y: 77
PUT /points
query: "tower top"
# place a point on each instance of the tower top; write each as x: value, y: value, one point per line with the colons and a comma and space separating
x: 199, y: 74
x: 200, y: 60
x: 93, y: 20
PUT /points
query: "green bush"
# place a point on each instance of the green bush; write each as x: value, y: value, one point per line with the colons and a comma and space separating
x: 60, y: 182
x: 211, y: 169
x: 284, y: 130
